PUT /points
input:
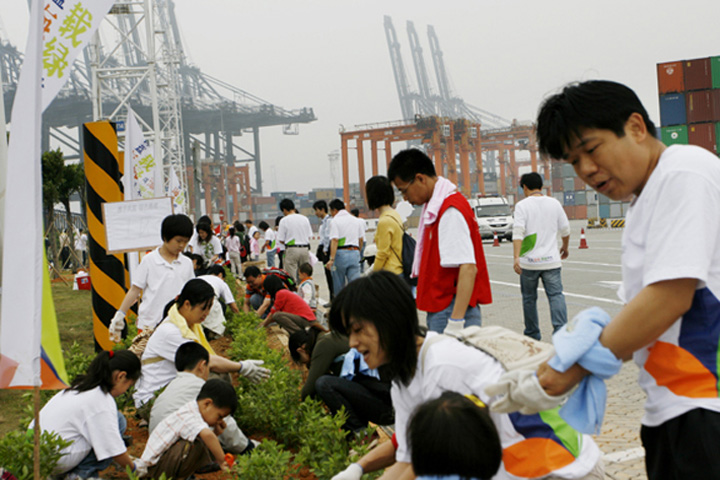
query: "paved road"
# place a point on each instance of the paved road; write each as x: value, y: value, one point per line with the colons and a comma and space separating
x: 590, y: 278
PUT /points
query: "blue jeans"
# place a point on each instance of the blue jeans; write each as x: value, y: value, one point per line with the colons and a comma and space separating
x: 437, y: 321
x: 256, y: 300
x: 552, y: 282
x: 90, y: 465
x: 270, y: 258
x: 346, y: 268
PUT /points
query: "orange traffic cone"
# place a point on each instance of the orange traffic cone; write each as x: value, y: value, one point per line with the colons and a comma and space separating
x: 583, y: 242
x: 496, y: 241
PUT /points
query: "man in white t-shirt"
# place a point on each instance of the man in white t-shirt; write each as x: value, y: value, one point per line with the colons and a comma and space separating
x: 345, y: 244
x: 449, y: 260
x: 215, y: 321
x: 670, y: 323
x: 294, y: 233
x: 81, y: 246
x: 363, y: 227
x: 250, y: 228
x: 538, y: 221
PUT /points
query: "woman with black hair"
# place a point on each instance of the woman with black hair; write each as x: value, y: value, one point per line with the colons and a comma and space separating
x: 268, y: 243
x: 206, y: 244
x: 86, y: 415
x: 182, y: 323
x: 379, y: 316
x: 321, y: 352
x: 389, y: 232
x: 288, y: 309
x: 453, y: 437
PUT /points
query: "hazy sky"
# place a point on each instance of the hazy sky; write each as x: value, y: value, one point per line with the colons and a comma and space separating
x: 502, y: 56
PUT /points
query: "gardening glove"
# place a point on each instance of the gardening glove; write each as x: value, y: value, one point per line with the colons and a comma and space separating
x: 454, y: 326
x: 116, y: 326
x: 520, y: 390
x: 353, y: 472
x: 252, y: 370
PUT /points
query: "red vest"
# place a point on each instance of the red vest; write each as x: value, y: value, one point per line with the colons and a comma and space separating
x: 437, y: 285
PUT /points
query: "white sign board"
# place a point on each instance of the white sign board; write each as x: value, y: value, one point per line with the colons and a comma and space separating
x: 134, y: 225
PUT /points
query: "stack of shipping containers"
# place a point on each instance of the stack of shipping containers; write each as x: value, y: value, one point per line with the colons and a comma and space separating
x: 690, y: 102
x: 579, y: 200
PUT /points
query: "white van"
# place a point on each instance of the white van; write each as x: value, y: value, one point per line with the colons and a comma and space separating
x: 493, y: 214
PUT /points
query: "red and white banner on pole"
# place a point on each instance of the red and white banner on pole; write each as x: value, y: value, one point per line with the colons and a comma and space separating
x: 29, y: 343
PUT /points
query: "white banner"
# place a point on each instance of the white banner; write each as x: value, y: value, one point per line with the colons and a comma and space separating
x: 144, y: 179
x: 59, y: 30
x: 177, y: 193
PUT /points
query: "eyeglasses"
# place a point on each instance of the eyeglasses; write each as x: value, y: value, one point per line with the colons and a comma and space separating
x: 403, y: 191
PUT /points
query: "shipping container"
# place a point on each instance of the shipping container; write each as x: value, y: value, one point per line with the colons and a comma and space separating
x: 579, y: 184
x: 699, y: 106
x: 557, y: 184
x: 697, y: 74
x: 604, y: 211
x: 715, y: 101
x: 672, y: 109
x: 568, y: 184
x: 570, y: 211
x: 670, y: 77
x: 715, y: 68
x: 603, y: 199
x: 674, y: 135
x: 592, y: 197
x: 580, y: 197
x: 559, y: 196
x: 581, y: 212
x: 625, y: 208
x: 703, y: 135
x: 556, y: 170
x: 569, y: 198
x: 616, y: 210
x: 717, y: 138
x: 567, y: 170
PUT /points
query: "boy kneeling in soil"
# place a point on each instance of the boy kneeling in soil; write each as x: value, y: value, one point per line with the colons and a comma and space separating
x: 188, y: 439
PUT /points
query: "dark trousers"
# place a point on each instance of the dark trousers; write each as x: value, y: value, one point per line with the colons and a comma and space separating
x: 181, y: 460
x: 361, y: 404
x: 683, y: 448
x: 324, y: 257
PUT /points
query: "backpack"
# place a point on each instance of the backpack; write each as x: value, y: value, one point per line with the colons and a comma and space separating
x: 282, y: 275
x: 408, y: 256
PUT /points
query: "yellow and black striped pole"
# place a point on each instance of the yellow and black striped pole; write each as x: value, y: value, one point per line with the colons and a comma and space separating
x: 103, y: 172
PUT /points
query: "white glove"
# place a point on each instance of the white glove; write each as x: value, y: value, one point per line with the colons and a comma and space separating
x: 252, y: 370
x: 116, y: 326
x: 352, y: 472
x: 454, y: 326
x: 520, y: 390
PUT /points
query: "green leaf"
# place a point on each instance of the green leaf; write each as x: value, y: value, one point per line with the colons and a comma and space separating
x: 528, y: 244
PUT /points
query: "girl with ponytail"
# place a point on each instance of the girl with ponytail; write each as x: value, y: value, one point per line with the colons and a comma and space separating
x: 86, y: 414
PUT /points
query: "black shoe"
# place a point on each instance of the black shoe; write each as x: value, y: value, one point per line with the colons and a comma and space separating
x: 209, y: 468
x: 127, y: 440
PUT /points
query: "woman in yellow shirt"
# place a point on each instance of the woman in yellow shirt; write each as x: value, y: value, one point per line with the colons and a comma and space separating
x: 389, y: 233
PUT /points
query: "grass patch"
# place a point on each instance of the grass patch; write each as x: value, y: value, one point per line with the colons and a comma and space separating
x: 74, y: 315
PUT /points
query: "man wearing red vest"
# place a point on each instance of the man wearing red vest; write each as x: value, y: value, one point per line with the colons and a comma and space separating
x: 449, y: 260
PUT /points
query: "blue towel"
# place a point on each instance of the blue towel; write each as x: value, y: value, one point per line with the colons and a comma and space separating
x: 348, y: 369
x: 578, y: 342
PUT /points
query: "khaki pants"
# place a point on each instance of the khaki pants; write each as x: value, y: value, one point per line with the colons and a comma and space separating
x: 181, y: 460
x: 291, y: 322
x: 294, y: 257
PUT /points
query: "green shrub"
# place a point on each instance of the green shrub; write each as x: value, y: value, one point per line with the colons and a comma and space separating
x: 267, y: 460
x: 16, y: 453
x: 323, y: 445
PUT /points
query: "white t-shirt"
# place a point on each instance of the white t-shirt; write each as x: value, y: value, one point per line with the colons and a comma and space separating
x: 163, y: 343
x: 215, y: 320
x: 454, y: 241
x: 294, y: 229
x: 206, y: 249
x: 673, y: 231
x: 538, y: 221
x: 186, y: 423
x: 160, y: 282
x: 345, y: 229
x: 81, y: 242
x: 88, y: 419
x: 269, y: 237
x: 451, y: 365
x: 252, y: 230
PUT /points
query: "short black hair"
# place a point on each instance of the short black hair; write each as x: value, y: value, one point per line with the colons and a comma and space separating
x: 216, y: 270
x: 204, y: 227
x: 263, y: 225
x: 302, y: 337
x: 252, y: 272
x: 306, y: 268
x: 204, y: 219
x: 337, y: 204
x: 177, y: 225
x: 188, y: 355
x: 277, y: 220
x: 532, y: 180
x: 248, y: 221
x: 600, y: 104
x: 221, y: 393
x: 321, y: 205
x: 196, y: 291
x: 286, y: 204
x: 273, y: 284
x: 451, y: 435
x: 383, y: 299
x: 355, y: 212
x: 379, y: 192
x: 408, y: 163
